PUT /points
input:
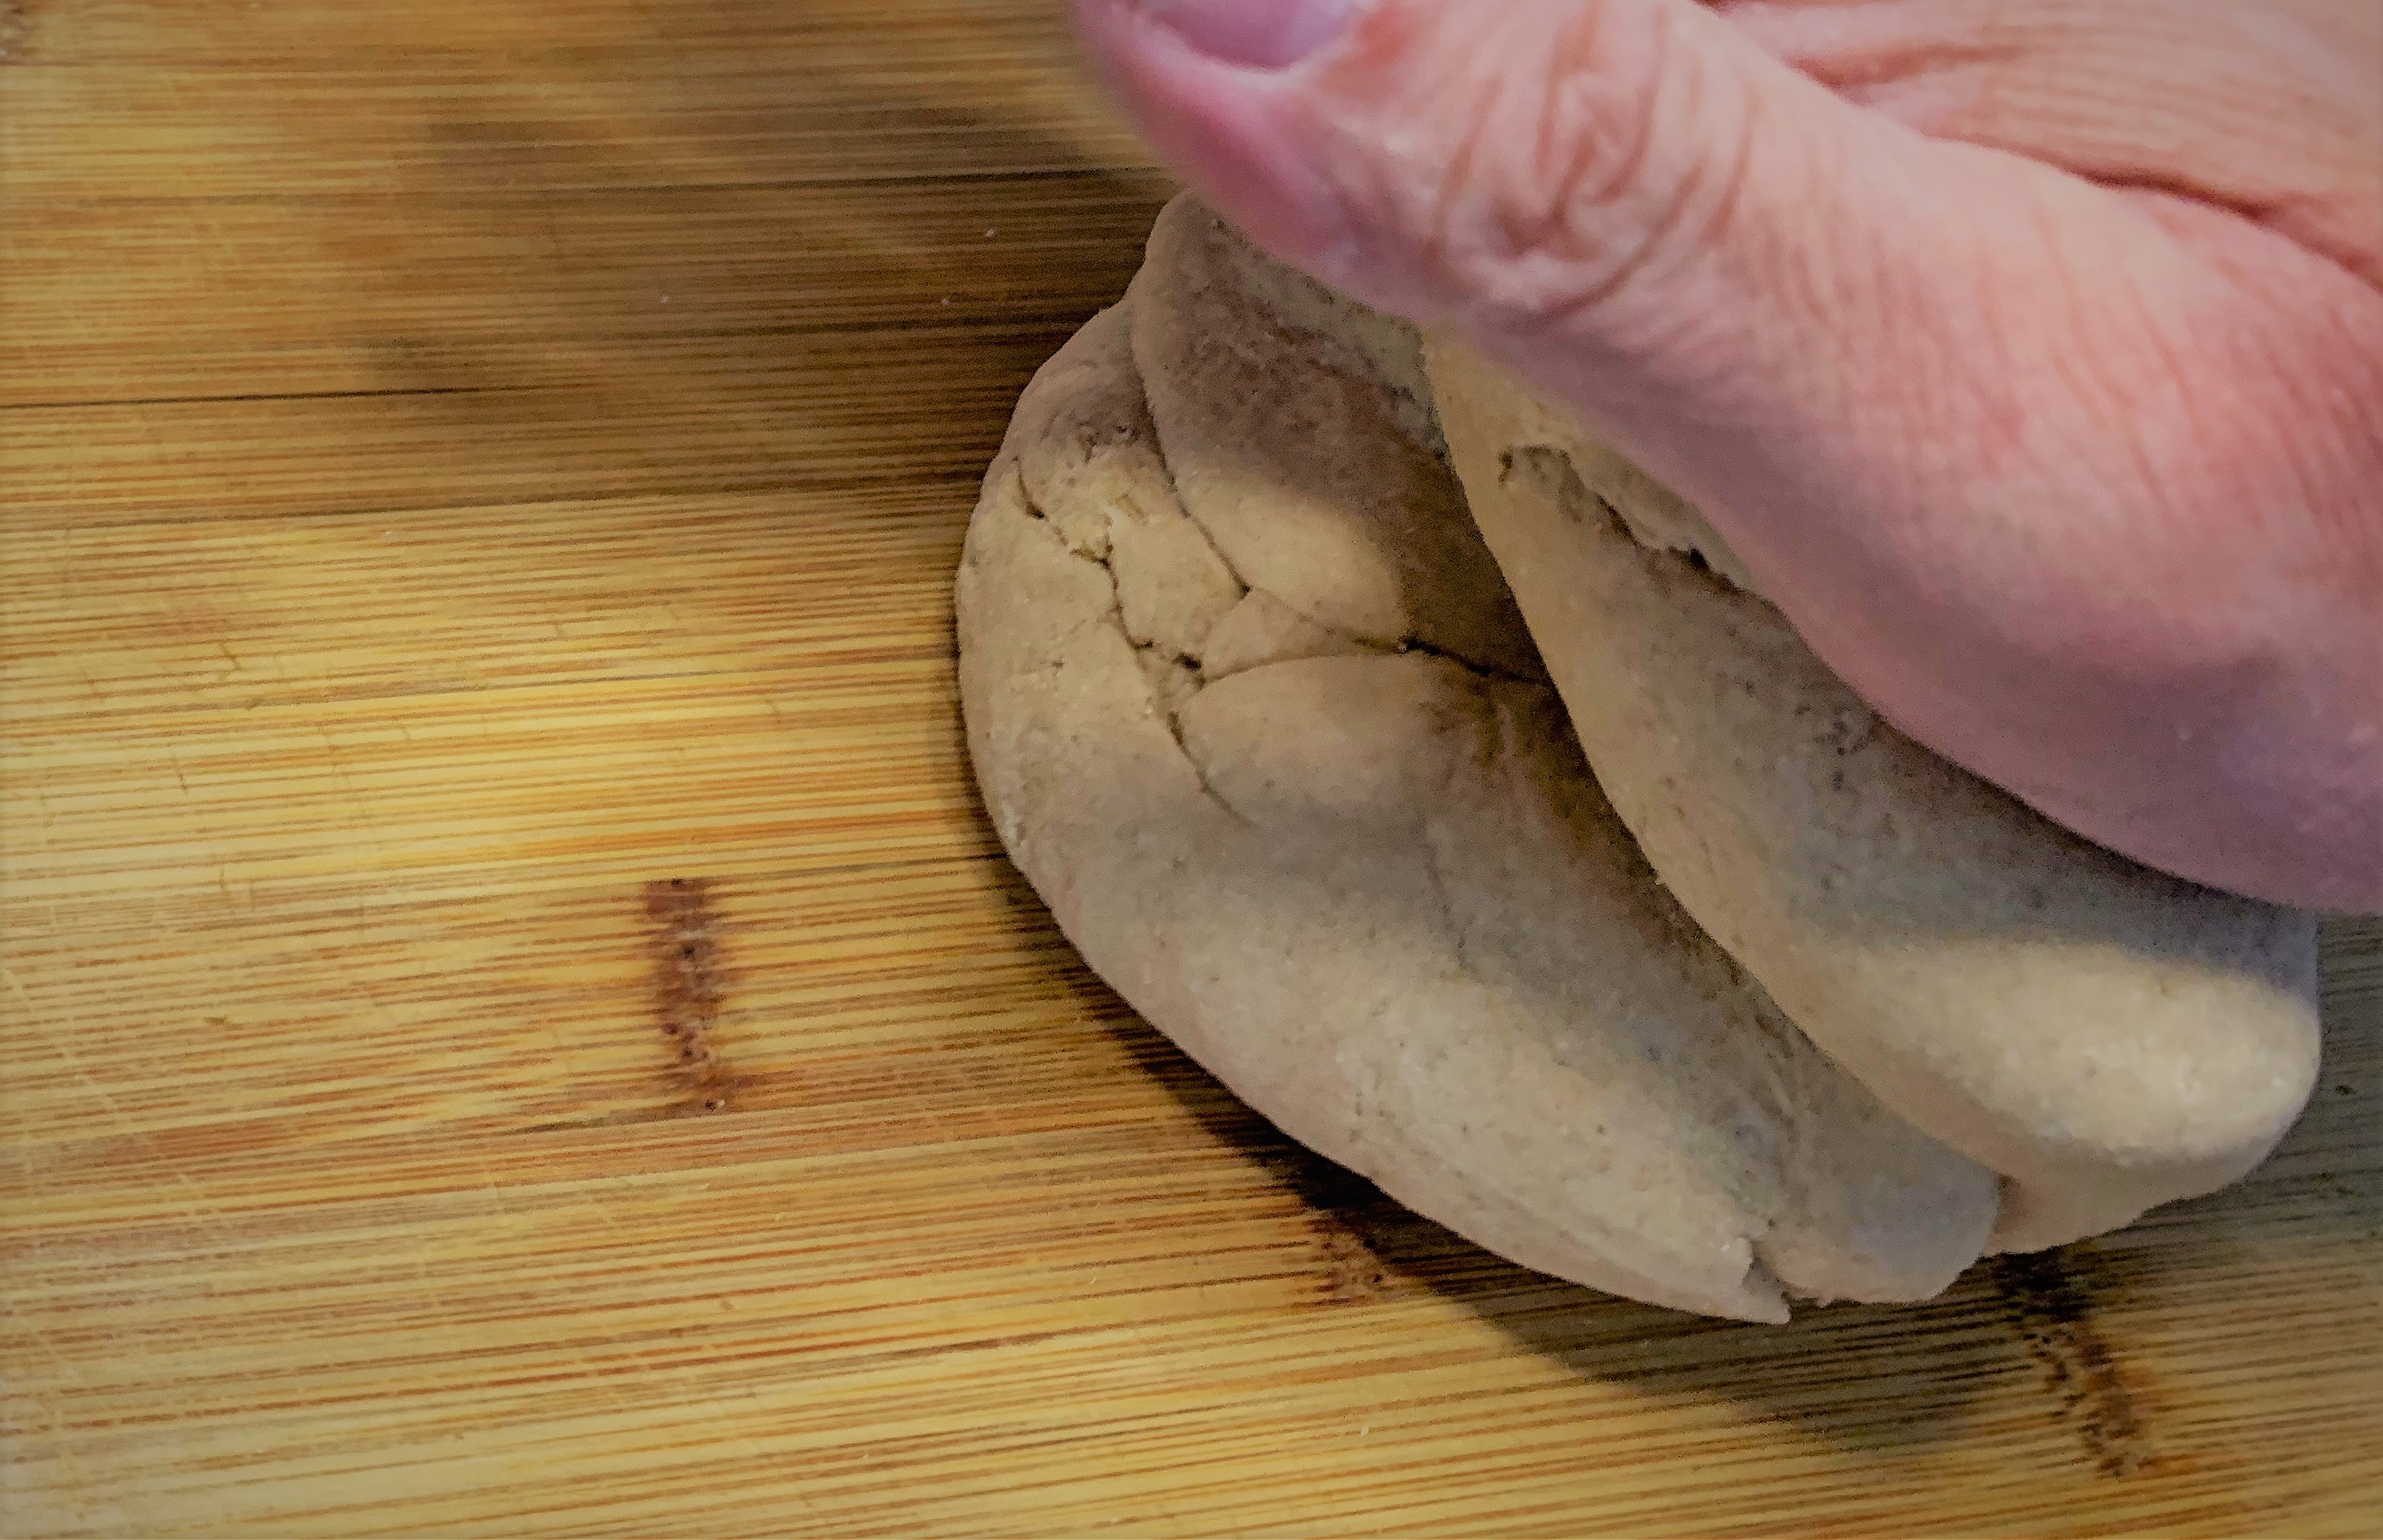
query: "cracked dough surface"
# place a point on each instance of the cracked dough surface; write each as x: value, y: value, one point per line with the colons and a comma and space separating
x: 1280, y: 756
x: 2108, y: 1036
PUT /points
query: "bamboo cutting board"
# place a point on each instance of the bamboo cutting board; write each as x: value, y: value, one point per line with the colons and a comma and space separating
x: 514, y: 1021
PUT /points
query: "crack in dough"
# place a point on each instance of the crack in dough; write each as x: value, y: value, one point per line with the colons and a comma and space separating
x: 1310, y: 463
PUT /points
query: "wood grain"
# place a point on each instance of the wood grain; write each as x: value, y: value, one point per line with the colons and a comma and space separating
x: 515, y: 1024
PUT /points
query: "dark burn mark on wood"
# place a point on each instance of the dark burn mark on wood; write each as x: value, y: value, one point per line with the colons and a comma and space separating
x: 1352, y: 1273
x: 2051, y: 1310
x: 687, y: 987
x: 1365, y: 1239
x: 688, y: 980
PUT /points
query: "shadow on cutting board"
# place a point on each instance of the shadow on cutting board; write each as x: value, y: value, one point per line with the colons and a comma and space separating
x: 1883, y: 1379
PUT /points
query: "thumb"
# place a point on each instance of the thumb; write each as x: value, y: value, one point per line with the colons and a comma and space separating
x: 1616, y: 196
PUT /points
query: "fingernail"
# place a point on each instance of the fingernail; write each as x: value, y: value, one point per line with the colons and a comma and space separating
x: 1256, y: 34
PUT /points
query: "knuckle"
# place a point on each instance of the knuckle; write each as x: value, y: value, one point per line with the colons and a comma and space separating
x: 1540, y: 165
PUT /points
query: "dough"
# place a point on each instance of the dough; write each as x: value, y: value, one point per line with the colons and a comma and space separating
x: 1322, y: 486
x: 2107, y: 1037
x: 1281, y: 758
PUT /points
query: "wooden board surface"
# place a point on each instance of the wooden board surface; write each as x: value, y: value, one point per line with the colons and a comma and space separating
x: 514, y: 1021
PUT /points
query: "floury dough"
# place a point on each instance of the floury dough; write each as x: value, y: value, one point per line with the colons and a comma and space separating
x: 1282, y: 759
x: 2107, y: 1037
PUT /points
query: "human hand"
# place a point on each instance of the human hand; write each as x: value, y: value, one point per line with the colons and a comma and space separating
x: 2028, y: 352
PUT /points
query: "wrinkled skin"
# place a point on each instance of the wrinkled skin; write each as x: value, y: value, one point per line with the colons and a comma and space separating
x: 2028, y: 352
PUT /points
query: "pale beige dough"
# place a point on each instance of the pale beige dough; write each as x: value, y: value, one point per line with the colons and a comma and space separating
x: 1281, y: 758
x: 2107, y: 1037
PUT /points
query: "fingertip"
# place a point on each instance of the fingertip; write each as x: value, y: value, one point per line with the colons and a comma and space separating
x: 1231, y: 131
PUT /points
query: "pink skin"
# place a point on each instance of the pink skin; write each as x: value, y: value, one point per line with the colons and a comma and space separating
x: 2029, y: 351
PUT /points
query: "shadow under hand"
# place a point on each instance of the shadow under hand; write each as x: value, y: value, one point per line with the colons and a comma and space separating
x: 750, y: 249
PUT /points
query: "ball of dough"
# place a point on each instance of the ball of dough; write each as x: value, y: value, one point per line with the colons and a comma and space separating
x: 1253, y: 710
